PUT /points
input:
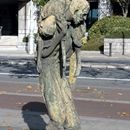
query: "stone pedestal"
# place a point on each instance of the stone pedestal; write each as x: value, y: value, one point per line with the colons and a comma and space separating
x: 118, y: 46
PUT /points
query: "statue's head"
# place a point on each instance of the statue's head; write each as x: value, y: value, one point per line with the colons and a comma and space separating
x: 47, y: 27
x: 54, y: 7
x: 79, y: 10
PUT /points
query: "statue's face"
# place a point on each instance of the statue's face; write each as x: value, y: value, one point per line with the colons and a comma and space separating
x: 79, y: 16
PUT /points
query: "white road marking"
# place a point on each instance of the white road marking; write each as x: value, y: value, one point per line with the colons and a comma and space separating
x: 11, y: 74
x: 109, y: 79
x: 80, y: 77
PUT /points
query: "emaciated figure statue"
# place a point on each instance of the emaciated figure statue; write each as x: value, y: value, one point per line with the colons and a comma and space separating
x: 60, y: 28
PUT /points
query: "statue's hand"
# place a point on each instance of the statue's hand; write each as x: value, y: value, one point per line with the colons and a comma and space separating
x: 39, y: 66
x: 78, y: 69
x: 78, y: 62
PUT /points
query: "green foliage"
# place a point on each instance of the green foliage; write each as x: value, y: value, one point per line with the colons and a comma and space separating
x: 123, y: 33
x: 87, y: 46
x: 26, y: 39
x: 112, y: 26
x: 40, y: 2
x: 84, y: 43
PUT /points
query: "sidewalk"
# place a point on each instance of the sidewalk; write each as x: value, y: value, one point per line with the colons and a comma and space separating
x: 15, y: 54
x: 97, y: 54
x: 98, y: 60
x: 23, y: 115
x: 18, y: 119
x: 84, y: 54
x: 89, y: 59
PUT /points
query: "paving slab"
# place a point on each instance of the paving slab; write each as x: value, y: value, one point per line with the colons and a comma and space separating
x: 14, y: 120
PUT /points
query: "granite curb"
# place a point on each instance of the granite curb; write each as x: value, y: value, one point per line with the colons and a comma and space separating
x: 89, y: 65
x: 105, y: 66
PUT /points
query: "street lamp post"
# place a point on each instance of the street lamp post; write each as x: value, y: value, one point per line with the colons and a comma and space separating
x: 31, y: 35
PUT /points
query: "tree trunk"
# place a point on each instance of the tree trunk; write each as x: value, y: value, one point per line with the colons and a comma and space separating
x: 125, y: 10
x: 125, y: 13
x: 124, y: 6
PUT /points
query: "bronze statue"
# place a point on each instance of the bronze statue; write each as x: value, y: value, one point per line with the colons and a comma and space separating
x: 60, y: 29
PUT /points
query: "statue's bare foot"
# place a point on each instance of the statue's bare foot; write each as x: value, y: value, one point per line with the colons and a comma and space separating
x: 54, y: 126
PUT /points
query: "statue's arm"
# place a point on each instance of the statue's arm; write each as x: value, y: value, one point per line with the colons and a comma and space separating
x: 63, y: 50
x: 78, y: 61
x: 77, y: 34
x: 52, y: 43
x: 39, y: 54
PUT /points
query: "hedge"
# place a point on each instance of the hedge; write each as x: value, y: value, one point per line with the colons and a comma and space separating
x: 110, y: 27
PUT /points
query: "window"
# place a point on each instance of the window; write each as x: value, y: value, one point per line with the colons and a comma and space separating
x: 92, y: 15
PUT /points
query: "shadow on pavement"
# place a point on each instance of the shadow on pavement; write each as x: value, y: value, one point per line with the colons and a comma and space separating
x: 19, y: 70
x: 35, y: 115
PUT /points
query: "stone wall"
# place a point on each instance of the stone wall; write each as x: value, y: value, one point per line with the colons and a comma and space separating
x: 118, y: 46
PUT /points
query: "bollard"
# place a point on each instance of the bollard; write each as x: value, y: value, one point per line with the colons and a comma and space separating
x: 0, y: 31
x: 123, y: 48
x: 110, y: 49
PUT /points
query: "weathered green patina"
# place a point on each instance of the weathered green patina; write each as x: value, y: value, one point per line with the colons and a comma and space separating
x: 61, y: 27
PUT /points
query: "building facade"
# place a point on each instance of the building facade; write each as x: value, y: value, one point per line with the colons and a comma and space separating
x: 98, y: 10
x: 18, y: 22
x: 102, y: 8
